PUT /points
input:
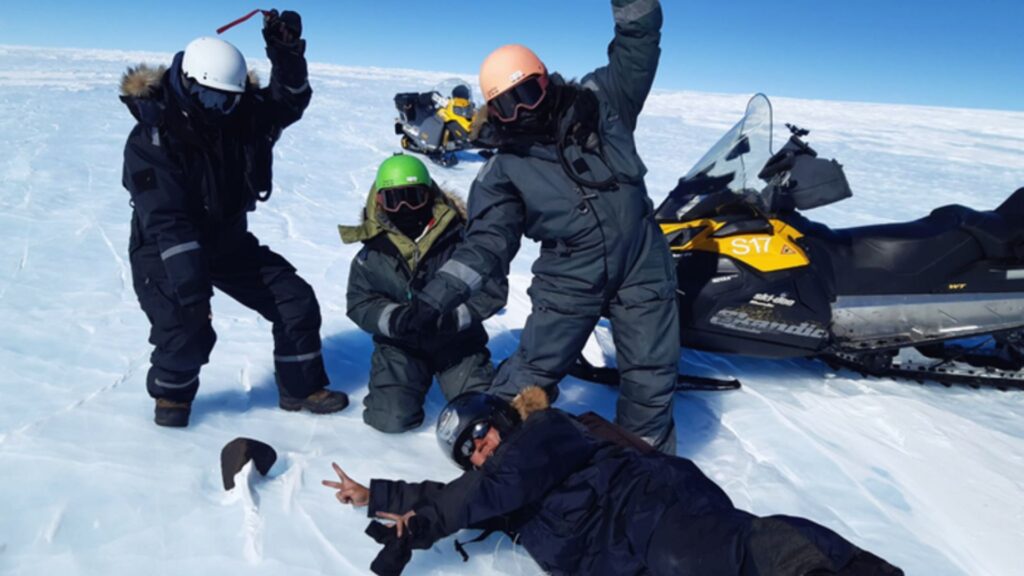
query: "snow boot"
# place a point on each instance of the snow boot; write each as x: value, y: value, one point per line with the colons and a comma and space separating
x: 172, y: 414
x: 322, y: 401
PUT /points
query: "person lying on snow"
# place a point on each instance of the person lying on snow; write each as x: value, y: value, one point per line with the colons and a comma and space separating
x: 409, y: 230
x: 585, y: 496
x: 196, y: 163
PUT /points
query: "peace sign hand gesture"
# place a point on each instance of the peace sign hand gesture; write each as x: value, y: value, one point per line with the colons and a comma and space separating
x: 349, y: 491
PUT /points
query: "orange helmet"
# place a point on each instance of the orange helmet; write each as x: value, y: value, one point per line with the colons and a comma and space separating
x: 506, y: 67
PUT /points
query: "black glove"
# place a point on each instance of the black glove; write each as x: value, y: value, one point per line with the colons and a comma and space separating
x: 285, y: 47
x: 196, y: 316
x: 396, y: 553
x: 450, y: 323
x: 416, y: 317
x: 283, y: 30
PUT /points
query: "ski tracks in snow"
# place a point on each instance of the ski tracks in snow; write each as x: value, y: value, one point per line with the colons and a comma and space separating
x: 22, y: 263
x: 129, y: 372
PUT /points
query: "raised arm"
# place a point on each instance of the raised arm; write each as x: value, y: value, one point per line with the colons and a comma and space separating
x: 288, y: 94
x: 632, y: 57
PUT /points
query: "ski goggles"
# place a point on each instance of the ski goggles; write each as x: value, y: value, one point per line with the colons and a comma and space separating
x: 480, y: 429
x: 526, y: 95
x: 213, y: 100
x: 412, y: 197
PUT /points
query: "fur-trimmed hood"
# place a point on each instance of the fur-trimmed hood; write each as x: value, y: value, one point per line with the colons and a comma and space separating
x: 144, y: 80
x: 371, y: 222
x: 141, y: 81
x: 448, y: 208
x: 530, y: 400
x: 143, y: 87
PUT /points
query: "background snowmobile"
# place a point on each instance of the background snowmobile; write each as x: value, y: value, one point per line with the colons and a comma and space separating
x: 940, y: 298
x: 436, y: 125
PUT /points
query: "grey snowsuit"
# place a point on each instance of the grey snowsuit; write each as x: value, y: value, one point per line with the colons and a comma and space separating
x: 601, y: 252
x: 384, y: 274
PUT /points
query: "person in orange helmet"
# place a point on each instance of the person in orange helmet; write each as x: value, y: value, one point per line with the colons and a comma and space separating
x: 567, y: 174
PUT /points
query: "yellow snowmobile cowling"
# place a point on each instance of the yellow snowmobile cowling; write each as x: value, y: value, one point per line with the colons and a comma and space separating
x: 766, y: 252
x: 459, y: 110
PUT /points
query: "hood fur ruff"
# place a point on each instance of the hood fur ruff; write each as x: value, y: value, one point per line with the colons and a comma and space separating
x: 530, y: 400
x: 454, y: 200
x: 142, y: 80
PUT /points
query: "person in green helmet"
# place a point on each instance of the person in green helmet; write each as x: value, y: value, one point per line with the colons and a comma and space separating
x: 410, y: 228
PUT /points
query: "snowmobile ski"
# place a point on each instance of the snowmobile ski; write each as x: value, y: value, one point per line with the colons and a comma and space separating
x: 584, y: 370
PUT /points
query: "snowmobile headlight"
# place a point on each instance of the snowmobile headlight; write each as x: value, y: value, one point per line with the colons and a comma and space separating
x: 683, y: 236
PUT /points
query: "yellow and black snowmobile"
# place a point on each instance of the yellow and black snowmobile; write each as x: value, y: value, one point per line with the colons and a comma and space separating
x: 435, y: 125
x: 940, y: 298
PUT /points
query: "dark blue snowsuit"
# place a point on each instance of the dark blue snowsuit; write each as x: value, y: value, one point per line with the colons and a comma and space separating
x: 601, y: 252
x: 191, y: 188
x: 582, y: 504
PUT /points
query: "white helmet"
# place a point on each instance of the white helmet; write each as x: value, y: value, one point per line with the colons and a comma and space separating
x: 214, y: 63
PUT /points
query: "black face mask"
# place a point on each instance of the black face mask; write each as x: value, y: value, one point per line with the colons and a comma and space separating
x: 411, y: 222
x: 539, y: 122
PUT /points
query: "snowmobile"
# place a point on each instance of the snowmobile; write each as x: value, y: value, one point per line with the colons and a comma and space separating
x: 435, y: 125
x: 940, y: 298
x: 758, y: 278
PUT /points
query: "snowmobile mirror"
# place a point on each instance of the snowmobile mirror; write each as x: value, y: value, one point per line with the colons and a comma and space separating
x: 741, y: 148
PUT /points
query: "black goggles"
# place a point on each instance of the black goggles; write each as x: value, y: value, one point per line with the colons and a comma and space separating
x: 480, y: 429
x: 526, y: 95
x: 412, y: 197
x: 212, y: 99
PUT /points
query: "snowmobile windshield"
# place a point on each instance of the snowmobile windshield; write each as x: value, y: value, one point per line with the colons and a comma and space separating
x: 743, y: 151
x: 454, y: 88
x: 728, y: 170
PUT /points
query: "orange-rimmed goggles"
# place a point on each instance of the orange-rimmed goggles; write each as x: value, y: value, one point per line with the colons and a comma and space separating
x: 526, y: 95
x: 412, y: 197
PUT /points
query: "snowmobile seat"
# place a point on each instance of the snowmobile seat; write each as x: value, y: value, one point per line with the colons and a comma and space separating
x: 908, y: 257
x: 406, y: 104
x: 415, y: 107
x: 995, y: 232
x: 1013, y: 207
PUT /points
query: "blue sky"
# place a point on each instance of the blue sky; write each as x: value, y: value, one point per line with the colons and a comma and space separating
x: 949, y: 53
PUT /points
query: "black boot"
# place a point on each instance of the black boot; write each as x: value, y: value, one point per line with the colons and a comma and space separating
x: 322, y: 401
x: 172, y: 414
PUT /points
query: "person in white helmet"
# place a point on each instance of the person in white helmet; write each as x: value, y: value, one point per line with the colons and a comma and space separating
x: 196, y: 163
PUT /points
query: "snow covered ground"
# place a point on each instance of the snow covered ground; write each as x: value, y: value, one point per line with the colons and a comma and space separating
x: 928, y: 477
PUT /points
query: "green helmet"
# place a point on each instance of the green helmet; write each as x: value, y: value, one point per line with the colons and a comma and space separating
x: 400, y: 171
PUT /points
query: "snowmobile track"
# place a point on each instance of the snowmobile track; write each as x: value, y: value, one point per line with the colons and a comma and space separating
x: 942, y: 372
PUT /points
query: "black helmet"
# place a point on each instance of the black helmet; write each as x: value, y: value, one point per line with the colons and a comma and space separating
x: 461, y: 91
x: 461, y: 417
